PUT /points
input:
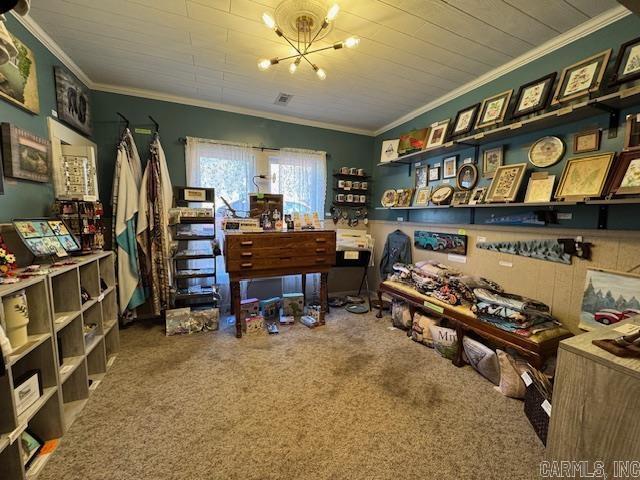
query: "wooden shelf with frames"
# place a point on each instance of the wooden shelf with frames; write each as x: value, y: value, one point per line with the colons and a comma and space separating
x: 69, y: 368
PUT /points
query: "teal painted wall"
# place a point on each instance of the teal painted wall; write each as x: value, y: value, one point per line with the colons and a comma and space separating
x: 23, y: 198
x: 343, y: 149
x: 516, y: 148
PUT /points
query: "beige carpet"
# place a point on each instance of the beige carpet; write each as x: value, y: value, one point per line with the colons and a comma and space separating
x: 350, y: 400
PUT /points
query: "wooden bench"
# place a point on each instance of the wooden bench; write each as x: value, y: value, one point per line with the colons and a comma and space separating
x: 536, y: 348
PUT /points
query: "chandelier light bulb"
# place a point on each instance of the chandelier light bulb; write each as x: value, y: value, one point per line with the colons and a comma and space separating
x: 294, y: 66
x: 264, y: 64
x: 333, y: 12
x: 351, y: 42
x: 269, y: 21
x: 321, y: 73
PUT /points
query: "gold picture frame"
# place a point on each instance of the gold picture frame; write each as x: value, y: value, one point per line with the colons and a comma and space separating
x: 581, y: 78
x: 540, y: 188
x: 506, y: 183
x: 405, y: 195
x: 422, y: 197
x: 584, y: 177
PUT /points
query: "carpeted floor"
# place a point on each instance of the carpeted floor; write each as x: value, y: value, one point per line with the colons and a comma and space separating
x: 350, y: 400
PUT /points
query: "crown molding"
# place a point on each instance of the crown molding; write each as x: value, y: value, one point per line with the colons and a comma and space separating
x: 154, y: 95
x: 582, y: 30
x: 50, y: 44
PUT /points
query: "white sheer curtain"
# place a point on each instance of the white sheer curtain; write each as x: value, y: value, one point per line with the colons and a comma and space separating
x: 229, y: 168
x: 301, y: 176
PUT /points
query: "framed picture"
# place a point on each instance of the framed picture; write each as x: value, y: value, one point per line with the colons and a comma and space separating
x: 540, y: 188
x: 450, y: 167
x: 506, y: 183
x: 25, y: 155
x: 625, y: 176
x: 581, y: 78
x: 20, y: 81
x: 461, y: 197
x: 404, y: 197
x: 587, y: 141
x: 27, y: 390
x: 389, y: 150
x: 442, y: 195
x: 493, y: 109
x: 422, y: 197
x: 546, y: 152
x: 73, y: 100
x: 632, y: 133
x: 464, y: 120
x: 467, y: 176
x: 584, y: 177
x: 600, y: 287
x: 492, y: 158
x: 414, y: 141
x: 477, y: 196
x: 389, y: 198
x: 627, y: 66
x: 31, y: 446
x: 534, y: 96
x: 437, y: 134
x: 434, y: 174
x: 422, y: 174
x: 440, y: 242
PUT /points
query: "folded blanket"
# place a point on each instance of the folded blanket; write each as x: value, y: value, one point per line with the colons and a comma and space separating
x: 511, y: 301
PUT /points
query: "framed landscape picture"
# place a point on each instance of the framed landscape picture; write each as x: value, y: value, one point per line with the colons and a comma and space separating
x: 506, y: 183
x: 464, y: 120
x: 73, y: 101
x: 493, y: 109
x: 534, y: 96
x: 25, y: 155
x: 627, y: 66
x: 581, y: 78
x: 20, y: 81
x: 584, y: 177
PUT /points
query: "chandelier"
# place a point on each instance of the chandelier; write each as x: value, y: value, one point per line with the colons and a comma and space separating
x: 302, y: 23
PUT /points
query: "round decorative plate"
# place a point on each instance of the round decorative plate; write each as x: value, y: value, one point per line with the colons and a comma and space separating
x: 546, y: 152
x: 389, y: 198
x: 442, y: 195
x: 467, y: 176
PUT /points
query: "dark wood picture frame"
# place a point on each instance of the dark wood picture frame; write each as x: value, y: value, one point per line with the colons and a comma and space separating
x: 618, y: 77
x: 619, y: 171
x: 461, y: 197
x: 472, y: 121
x: 576, y: 138
x: 632, y: 133
x: 25, y: 156
x: 503, y: 110
x: 543, y: 102
x: 474, y: 176
x: 435, y: 168
x: 560, y: 95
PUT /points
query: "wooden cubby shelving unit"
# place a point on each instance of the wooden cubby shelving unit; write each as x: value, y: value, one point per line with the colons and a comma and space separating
x: 56, y: 318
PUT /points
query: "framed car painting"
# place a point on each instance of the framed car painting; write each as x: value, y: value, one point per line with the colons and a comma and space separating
x: 493, y: 109
x: 584, y: 177
x: 464, y: 120
x: 437, y: 134
x: 492, y: 158
x: 389, y: 150
x: 25, y: 155
x: 506, y: 183
x: 73, y: 100
x: 627, y: 66
x: 581, y: 78
x: 534, y: 96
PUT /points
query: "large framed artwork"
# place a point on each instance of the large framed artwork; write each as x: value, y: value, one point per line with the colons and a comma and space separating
x: 73, y: 98
x: 584, y: 177
x: 413, y: 141
x: 464, y: 120
x: 581, y: 78
x: 440, y: 242
x: 533, y: 96
x: 25, y: 155
x: 493, y: 109
x: 19, y: 83
x: 627, y: 66
x: 625, y: 175
x: 506, y: 183
x: 609, y: 297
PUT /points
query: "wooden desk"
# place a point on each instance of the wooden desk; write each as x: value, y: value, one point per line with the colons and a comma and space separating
x: 276, y: 254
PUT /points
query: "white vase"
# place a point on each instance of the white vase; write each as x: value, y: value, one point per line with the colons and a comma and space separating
x: 16, y: 315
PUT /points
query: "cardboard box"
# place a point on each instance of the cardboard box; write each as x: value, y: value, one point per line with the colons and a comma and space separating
x: 293, y: 304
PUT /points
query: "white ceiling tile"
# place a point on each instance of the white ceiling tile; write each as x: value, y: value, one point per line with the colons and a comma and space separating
x: 560, y: 16
x: 593, y: 7
x: 178, y: 7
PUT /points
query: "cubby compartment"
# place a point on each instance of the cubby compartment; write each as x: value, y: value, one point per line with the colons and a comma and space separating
x: 46, y: 425
x: 70, y: 342
x: 96, y: 365
x: 8, y: 418
x: 89, y: 283
x: 107, y: 271
x: 10, y: 461
x: 112, y: 344
x: 65, y: 289
x: 109, y: 311
x: 92, y: 319
x: 75, y: 392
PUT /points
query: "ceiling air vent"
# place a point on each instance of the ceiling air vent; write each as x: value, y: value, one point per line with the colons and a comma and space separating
x: 283, y: 99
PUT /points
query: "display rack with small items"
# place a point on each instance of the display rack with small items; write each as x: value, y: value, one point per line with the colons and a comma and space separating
x: 85, y: 221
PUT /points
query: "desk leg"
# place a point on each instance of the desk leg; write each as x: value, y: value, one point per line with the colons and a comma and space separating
x: 457, y: 360
x: 235, y: 307
x: 324, y: 296
x: 304, y: 289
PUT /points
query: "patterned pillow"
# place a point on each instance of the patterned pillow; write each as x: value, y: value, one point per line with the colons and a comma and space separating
x: 444, y: 341
x: 483, y: 359
x: 401, y: 315
x: 511, y: 384
x: 422, y: 328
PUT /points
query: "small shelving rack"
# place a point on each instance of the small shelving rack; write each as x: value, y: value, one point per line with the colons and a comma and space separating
x: 71, y: 365
x: 185, y: 294
x: 354, y: 191
x: 84, y: 219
